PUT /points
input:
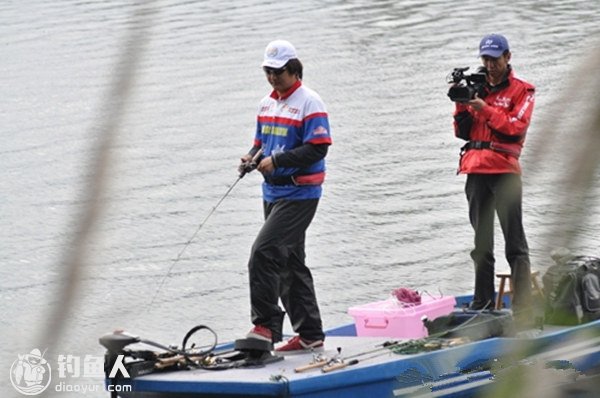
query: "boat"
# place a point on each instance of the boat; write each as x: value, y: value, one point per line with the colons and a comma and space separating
x: 437, y: 365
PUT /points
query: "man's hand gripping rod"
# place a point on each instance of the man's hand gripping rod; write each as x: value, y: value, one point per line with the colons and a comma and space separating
x: 247, y: 167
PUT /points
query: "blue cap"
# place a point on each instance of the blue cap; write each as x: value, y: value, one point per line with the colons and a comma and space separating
x: 493, y: 45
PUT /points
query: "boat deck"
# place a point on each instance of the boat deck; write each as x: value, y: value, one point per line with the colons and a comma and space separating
x: 349, y: 346
x: 378, y: 370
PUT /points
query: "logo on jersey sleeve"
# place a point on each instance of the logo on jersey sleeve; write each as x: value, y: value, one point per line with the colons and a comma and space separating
x: 320, y: 131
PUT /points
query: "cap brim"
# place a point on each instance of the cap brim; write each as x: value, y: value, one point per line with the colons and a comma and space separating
x: 491, y: 53
x: 274, y: 63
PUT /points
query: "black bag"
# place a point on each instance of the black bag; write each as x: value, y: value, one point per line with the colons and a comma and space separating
x: 590, y: 289
x: 474, y: 325
x: 572, y: 291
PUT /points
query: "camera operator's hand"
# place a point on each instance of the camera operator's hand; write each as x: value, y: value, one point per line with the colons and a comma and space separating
x: 477, y: 103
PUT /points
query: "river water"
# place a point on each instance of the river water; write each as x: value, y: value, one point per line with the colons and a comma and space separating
x: 393, y: 212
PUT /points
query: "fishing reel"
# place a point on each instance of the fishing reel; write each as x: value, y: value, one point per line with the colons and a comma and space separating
x: 247, y: 167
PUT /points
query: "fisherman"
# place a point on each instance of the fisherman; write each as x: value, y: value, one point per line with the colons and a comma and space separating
x: 494, y: 123
x: 293, y: 134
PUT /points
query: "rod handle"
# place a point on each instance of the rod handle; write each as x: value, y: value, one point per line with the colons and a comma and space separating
x: 340, y: 365
x: 251, y: 165
x: 310, y: 366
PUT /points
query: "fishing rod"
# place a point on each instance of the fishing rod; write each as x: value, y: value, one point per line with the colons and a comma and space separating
x: 244, y: 169
x: 338, y: 362
x: 428, y: 343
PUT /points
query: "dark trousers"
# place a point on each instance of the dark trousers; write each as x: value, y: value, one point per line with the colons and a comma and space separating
x: 502, y: 194
x: 277, y: 270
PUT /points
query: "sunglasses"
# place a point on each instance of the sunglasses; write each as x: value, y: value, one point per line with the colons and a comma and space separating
x: 273, y: 71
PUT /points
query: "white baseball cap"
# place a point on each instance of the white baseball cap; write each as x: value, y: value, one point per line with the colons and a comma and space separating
x: 278, y: 53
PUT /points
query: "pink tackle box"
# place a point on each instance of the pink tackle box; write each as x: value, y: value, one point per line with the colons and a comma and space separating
x: 391, y: 318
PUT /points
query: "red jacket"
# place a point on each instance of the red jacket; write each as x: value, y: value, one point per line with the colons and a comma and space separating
x: 500, y: 126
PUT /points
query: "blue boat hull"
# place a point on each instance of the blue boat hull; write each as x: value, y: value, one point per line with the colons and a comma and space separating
x: 463, y: 370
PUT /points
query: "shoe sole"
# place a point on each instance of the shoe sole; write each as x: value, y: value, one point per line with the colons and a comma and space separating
x: 258, y: 337
x: 299, y: 352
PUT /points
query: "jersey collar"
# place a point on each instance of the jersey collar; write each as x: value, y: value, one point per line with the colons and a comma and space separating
x: 285, y: 95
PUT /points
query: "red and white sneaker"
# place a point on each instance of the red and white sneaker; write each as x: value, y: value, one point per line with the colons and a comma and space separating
x: 297, y: 345
x: 260, y: 333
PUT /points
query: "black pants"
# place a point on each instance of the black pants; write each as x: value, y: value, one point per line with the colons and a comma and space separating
x: 502, y: 194
x: 277, y: 270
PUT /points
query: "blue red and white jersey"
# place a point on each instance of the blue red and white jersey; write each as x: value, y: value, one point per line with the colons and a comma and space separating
x: 283, y: 123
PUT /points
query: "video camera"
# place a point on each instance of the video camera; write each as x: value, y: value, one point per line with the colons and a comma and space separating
x: 473, y: 84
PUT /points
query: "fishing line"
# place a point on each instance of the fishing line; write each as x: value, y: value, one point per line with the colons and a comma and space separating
x: 244, y: 169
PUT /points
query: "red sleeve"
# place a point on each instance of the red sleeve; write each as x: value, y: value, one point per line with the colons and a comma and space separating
x: 515, y: 122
